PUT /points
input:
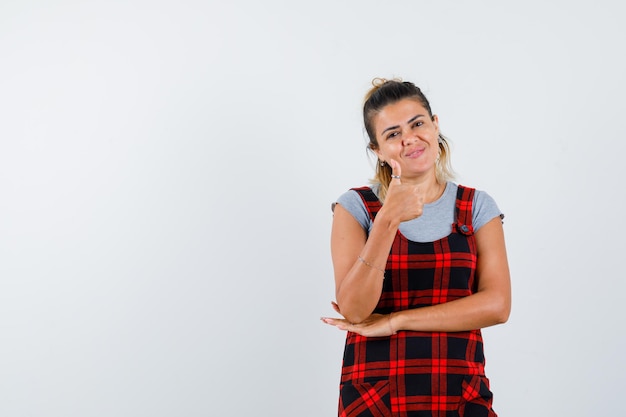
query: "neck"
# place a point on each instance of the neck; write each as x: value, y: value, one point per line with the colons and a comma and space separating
x: 429, y: 186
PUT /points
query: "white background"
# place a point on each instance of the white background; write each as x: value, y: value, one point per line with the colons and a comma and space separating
x: 167, y: 170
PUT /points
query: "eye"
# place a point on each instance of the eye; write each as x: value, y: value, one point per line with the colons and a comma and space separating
x: 418, y: 123
x: 393, y: 135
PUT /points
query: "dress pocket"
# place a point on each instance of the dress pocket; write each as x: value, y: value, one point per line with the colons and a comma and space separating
x: 477, y: 398
x: 365, y: 400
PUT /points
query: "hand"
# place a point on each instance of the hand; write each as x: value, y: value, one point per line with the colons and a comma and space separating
x: 403, y: 202
x: 376, y: 325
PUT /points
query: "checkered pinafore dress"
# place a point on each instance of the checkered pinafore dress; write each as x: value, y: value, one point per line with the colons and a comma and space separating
x: 426, y: 374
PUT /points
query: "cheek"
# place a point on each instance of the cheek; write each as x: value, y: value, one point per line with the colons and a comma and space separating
x: 393, y: 147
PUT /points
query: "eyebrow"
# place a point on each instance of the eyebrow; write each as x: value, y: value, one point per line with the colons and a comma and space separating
x: 414, y: 118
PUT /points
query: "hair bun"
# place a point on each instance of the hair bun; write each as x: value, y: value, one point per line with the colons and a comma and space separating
x: 379, y: 81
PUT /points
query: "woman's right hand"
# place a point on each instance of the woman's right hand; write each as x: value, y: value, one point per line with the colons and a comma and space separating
x: 403, y: 202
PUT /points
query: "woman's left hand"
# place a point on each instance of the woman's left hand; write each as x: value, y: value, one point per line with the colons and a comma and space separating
x: 376, y: 325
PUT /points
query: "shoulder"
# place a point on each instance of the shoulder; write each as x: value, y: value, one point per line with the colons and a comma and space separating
x: 485, y: 209
x: 350, y: 197
x: 352, y: 201
x: 483, y: 200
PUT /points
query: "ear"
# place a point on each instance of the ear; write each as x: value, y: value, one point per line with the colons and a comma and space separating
x: 378, y: 153
x: 435, y: 120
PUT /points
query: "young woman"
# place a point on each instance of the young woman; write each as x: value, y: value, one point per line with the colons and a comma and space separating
x: 420, y: 267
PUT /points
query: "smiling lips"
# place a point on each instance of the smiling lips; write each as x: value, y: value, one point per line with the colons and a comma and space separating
x: 415, y: 153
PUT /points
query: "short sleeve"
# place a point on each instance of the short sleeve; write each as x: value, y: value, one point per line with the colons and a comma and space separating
x: 351, y: 201
x: 485, y: 209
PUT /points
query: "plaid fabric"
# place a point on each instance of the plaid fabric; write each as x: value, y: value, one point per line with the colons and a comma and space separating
x: 420, y: 373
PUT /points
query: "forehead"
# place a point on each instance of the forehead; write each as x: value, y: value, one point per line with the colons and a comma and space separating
x: 399, y: 113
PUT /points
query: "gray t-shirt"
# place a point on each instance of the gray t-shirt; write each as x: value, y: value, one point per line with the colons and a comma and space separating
x: 437, y: 217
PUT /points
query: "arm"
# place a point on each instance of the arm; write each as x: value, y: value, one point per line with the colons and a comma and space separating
x: 357, y: 285
x: 490, y: 305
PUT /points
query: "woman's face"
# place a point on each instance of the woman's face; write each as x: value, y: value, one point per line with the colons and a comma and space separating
x: 407, y: 134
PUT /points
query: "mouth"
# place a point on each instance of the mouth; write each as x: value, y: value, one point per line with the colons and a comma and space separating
x: 415, y: 153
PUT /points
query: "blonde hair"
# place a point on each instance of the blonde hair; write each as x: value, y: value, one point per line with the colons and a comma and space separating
x: 383, y: 93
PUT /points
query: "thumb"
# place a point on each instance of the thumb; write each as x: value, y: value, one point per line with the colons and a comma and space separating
x: 396, y: 171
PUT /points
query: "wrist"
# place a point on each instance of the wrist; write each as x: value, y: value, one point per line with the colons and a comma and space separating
x: 393, y: 329
x: 386, y: 221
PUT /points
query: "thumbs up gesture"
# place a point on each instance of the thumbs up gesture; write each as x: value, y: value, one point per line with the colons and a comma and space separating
x: 404, y: 201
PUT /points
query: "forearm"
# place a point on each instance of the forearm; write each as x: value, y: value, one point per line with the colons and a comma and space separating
x: 359, y: 291
x: 479, y: 310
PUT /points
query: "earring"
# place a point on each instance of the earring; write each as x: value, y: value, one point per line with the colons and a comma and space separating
x: 382, y: 163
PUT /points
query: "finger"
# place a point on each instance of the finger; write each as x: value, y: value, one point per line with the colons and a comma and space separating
x: 338, y: 323
x: 396, y: 171
x: 331, y: 320
x: 335, y: 307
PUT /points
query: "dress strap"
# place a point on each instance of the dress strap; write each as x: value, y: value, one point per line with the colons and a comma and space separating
x: 463, y: 210
x: 372, y: 203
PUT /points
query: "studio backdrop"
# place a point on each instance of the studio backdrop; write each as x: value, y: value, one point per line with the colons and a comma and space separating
x: 167, y: 170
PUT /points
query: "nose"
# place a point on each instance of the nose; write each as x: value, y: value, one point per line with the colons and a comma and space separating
x: 409, y: 138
